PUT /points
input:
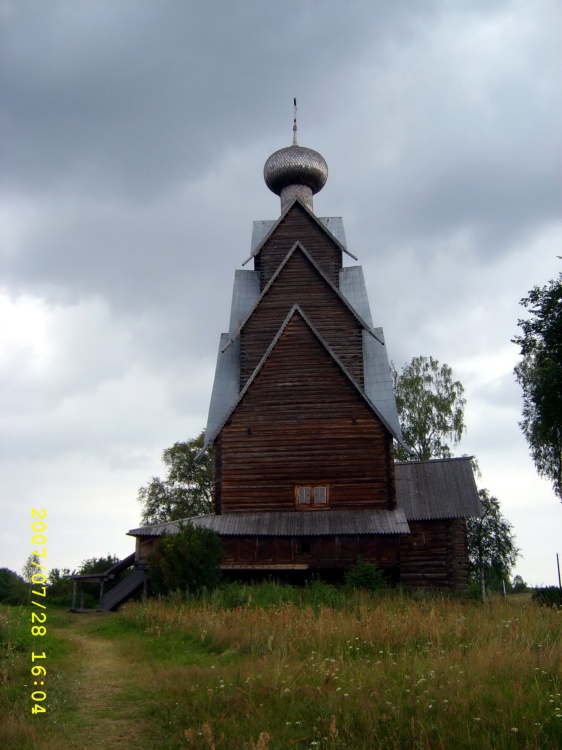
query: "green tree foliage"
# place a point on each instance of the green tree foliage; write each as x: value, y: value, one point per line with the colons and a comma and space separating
x: 518, y: 585
x: 188, y: 561
x: 430, y: 407
x: 31, y: 566
x: 13, y: 589
x: 60, y: 586
x: 539, y: 373
x: 187, y: 489
x: 97, y: 564
x: 491, y: 544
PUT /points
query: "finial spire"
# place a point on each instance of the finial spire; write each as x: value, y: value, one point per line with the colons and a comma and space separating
x: 295, y: 172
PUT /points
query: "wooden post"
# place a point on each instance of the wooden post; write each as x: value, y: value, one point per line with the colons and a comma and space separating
x: 558, y: 565
x: 101, y: 593
x: 73, y: 607
x: 82, y: 599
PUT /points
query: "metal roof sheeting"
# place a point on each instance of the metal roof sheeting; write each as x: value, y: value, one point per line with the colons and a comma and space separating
x: 376, y: 369
x: 299, y: 247
x: 245, y: 294
x: 226, y: 385
x: 295, y: 310
x: 263, y: 229
x: 334, y: 224
x: 425, y: 490
x: 440, y: 488
x: 378, y: 380
x: 352, y: 286
x: 292, y: 523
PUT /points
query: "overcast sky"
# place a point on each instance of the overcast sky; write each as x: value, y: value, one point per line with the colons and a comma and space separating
x: 134, y: 134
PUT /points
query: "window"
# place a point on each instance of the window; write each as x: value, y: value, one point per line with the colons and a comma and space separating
x: 312, y: 496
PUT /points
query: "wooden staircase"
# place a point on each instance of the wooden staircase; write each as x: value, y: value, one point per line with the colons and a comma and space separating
x: 123, y: 591
x: 119, y: 594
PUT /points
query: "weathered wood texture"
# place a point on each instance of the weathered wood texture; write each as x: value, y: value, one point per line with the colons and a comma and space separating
x: 302, y: 421
x: 341, y: 551
x: 313, y: 552
x: 297, y: 224
x: 144, y: 547
x: 434, y: 554
x: 300, y: 283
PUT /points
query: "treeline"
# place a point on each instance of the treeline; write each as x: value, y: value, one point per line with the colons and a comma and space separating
x: 16, y: 589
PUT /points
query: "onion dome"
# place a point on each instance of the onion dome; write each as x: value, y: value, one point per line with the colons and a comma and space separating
x: 295, y: 171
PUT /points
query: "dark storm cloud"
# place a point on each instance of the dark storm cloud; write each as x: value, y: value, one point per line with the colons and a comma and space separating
x: 134, y: 138
x: 128, y: 95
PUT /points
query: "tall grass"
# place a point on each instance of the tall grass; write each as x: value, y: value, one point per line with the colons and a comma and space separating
x: 374, y: 672
x: 270, y: 666
x: 18, y: 727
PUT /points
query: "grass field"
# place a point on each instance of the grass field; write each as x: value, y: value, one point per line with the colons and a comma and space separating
x: 274, y: 667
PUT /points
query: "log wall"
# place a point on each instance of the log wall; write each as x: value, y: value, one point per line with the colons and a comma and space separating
x: 312, y: 552
x: 144, y: 546
x: 434, y: 554
x: 302, y: 422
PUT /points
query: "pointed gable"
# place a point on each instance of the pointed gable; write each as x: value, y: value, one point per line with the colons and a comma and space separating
x: 302, y: 419
x: 299, y: 280
x: 299, y: 222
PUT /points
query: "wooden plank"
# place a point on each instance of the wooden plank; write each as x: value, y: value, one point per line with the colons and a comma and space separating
x: 298, y: 225
x: 302, y: 421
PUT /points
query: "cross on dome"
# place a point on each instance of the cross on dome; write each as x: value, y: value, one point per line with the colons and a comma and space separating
x: 295, y: 172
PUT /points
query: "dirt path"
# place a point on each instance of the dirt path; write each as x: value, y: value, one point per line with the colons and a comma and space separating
x: 106, y: 720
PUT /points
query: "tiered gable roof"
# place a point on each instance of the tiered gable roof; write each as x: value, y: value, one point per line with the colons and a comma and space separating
x: 297, y: 311
x: 299, y: 248
x: 332, y: 226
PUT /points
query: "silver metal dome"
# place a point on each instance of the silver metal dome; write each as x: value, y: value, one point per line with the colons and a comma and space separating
x: 295, y: 165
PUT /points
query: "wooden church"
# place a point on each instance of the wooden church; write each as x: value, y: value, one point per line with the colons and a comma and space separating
x: 303, y: 418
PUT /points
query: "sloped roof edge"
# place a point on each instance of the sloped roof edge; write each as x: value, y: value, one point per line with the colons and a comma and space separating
x: 316, y: 219
x: 299, y: 246
x: 437, y: 489
x: 296, y: 309
x: 290, y: 523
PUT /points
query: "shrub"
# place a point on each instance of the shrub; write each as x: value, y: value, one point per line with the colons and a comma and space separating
x: 548, y: 596
x: 365, y: 575
x: 188, y: 561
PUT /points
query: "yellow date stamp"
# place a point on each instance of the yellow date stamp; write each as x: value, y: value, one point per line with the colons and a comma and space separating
x: 39, y: 616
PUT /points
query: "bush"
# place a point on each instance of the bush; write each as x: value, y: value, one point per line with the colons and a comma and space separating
x: 365, y: 575
x: 548, y: 596
x: 188, y: 561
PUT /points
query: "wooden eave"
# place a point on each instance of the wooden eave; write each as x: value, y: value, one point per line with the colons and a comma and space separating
x: 299, y: 246
x: 285, y: 213
x: 290, y: 523
x: 296, y: 309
